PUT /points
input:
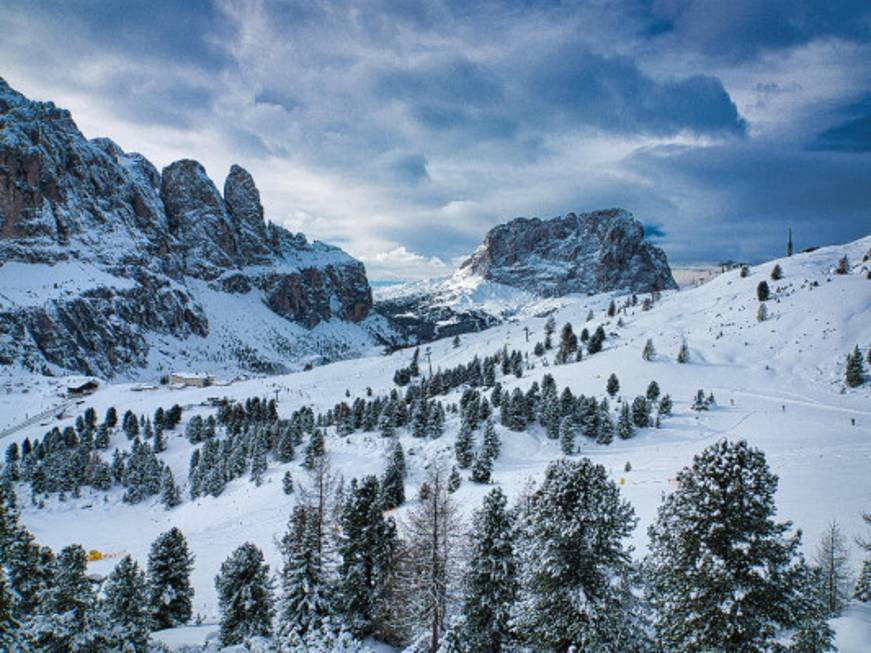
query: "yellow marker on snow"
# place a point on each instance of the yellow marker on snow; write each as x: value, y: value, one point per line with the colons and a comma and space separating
x: 622, y: 481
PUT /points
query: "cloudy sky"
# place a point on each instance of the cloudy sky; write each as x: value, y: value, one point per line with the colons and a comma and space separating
x: 403, y: 130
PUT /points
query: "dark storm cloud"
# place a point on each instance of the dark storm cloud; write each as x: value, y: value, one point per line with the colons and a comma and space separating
x: 419, y: 125
x: 742, y: 29
x: 851, y: 135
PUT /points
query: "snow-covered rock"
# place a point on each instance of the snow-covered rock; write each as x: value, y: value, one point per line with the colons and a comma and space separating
x: 589, y: 253
x: 149, y: 237
x: 522, y: 264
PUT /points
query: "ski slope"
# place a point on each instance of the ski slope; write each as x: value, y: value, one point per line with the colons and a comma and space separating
x: 777, y: 384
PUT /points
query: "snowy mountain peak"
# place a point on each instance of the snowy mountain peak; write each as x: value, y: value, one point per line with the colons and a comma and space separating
x: 142, y: 243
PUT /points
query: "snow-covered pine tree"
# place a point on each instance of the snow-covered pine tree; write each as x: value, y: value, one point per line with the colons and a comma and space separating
x: 454, y: 480
x: 707, y: 591
x: 125, y: 608
x: 862, y: 591
x: 612, y: 387
x: 683, y: 354
x: 170, y: 496
x: 482, y: 468
x: 67, y: 618
x: 854, y: 371
x: 762, y: 312
x: 491, y: 445
x: 393, y: 481
x: 572, y: 563
x: 303, y: 604
x: 640, y: 412
x: 367, y: 548
x: 464, y: 445
x: 490, y: 581
x: 776, y: 272
x: 244, y: 590
x: 763, y: 293
x: 649, y: 352
x: 287, y: 483
x: 831, y: 561
x: 314, y: 449
x: 604, y: 428
x: 812, y: 633
x: 652, y: 392
x: 567, y: 435
x: 169, y: 587
x: 259, y: 463
x: 11, y: 634
x: 624, y: 423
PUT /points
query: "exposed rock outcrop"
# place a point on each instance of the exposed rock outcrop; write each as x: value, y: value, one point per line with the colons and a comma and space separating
x: 66, y: 198
x: 525, y: 260
x: 588, y: 253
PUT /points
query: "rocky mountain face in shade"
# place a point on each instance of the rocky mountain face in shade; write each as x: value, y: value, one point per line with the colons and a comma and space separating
x: 589, y: 253
x: 147, y: 244
x: 524, y: 261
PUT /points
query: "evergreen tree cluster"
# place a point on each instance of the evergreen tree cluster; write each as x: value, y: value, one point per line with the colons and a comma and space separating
x: 49, y: 603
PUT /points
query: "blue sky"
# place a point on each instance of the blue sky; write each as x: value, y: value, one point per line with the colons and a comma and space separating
x: 402, y: 131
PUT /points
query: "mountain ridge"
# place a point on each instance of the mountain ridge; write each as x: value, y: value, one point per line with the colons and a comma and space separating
x: 65, y: 198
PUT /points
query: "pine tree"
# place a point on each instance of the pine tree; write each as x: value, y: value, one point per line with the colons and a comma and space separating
x: 454, y: 480
x: 170, y: 496
x: 604, y: 428
x: 314, y: 449
x: 368, y: 552
x: 776, y: 272
x: 649, y: 352
x: 641, y: 412
x: 854, y: 370
x: 244, y: 590
x: 652, y: 392
x: 762, y: 312
x: 259, y: 464
x: 862, y: 592
x: 169, y: 587
x: 490, y: 582
x: 665, y: 405
x: 612, y: 387
x: 463, y: 446
x: 284, y: 449
x: 393, y: 482
x: 491, y: 444
x: 567, y: 435
x: 303, y: 604
x: 624, y: 423
x: 708, y: 592
x: 11, y: 634
x: 763, y: 293
x: 482, y: 468
x: 683, y: 354
x: 843, y: 265
x: 831, y: 561
x: 125, y: 607
x: 287, y: 483
x: 573, y: 567
x: 67, y: 619
x: 812, y: 634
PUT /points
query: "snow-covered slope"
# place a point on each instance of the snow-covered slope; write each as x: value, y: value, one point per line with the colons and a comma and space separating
x: 777, y: 383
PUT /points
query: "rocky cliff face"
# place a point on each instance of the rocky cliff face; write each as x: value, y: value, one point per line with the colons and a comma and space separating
x: 160, y: 242
x: 593, y: 252
x: 523, y: 261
